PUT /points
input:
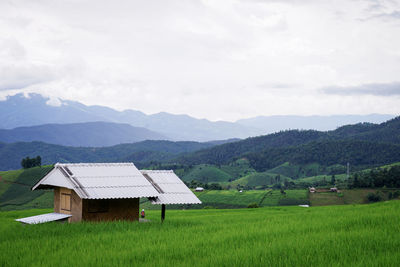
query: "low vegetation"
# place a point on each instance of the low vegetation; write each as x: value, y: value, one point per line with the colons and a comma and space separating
x: 352, y: 235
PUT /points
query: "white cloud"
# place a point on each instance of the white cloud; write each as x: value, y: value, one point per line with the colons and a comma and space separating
x: 213, y: 58
x: 54, y: 101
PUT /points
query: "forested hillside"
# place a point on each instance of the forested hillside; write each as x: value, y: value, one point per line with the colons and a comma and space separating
x: 326, y: 153
x: 360, y: 144
x: 146, y: 151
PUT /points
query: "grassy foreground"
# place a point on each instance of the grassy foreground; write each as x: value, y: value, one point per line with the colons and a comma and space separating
x: 352, y: 235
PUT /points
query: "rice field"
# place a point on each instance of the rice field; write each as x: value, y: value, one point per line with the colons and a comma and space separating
x: 349, y: 235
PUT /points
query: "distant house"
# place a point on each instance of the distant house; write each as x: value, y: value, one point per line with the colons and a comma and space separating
x: 110, y: 191
x: 333, y: 189
x: 199, y: 189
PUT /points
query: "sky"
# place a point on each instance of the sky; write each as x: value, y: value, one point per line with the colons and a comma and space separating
x: 214, y: 59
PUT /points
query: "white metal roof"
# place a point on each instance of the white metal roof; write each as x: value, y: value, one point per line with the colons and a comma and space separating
x: 49, y: 217
x: 172, y: 190
x: 100, y: 180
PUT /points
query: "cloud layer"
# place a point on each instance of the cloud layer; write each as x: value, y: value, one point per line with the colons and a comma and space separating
x: 211, y: 59
x: 377, y: 89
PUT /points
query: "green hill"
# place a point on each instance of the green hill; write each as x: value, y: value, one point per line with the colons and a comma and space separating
x: 206, y: 174
x: 259, y: 179
x: 238, y: 168
x: 16, y: 193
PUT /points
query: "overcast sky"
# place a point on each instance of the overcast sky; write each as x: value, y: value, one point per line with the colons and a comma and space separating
x: 220, y: 60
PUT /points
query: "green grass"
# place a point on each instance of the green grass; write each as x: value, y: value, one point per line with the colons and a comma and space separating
x: 352, y: 235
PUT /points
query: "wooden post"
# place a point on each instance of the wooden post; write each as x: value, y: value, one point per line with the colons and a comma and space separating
x: 162, y: 212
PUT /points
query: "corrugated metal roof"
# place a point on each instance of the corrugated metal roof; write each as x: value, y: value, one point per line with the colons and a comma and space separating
x: 172, y: 189
x: 113, y: 181
x: 177, y: 198
x: 121, y: 192
x: 101, y: 180
x: 49, y: 217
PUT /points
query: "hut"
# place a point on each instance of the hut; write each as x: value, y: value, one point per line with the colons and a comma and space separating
x: 107, y: 191
x: 199, y: 189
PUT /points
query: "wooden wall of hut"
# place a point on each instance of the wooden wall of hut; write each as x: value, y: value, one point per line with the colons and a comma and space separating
x: 110, y: 209
x: 66, y: 201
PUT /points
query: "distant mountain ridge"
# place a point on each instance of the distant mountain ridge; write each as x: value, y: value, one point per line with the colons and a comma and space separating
x: 19, y: 111
x: 88, y: 134
x: 361, y: 144
x: 272, y: 124
x: 278, y: 144
x: 145, y: 151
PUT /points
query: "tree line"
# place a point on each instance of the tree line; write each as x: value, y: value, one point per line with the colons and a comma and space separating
x: 27, y: 162
x: 376, y: 178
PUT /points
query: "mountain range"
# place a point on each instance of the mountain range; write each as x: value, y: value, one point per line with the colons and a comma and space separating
x: 88, y: 134
x: 362, y: 144
x: 34, y: 110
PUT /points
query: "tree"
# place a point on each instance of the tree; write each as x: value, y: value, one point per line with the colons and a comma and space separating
x: 333, y: 180
x: 29, y: 163
x: 38, y: 161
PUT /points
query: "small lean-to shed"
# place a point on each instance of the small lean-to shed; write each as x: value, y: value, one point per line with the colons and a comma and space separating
x: 97, y: 191
x: 171, y: 189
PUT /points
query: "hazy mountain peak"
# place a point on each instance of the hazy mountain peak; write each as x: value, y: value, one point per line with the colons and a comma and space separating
x: 35, y: 109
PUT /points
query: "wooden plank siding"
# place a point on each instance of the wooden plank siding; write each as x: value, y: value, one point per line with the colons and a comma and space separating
x: 94, y: 209
x: 66, y: 201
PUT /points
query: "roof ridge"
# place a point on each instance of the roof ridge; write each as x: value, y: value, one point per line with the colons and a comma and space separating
x: 118, y: 186
x: 157, y: 171
x: 89, y: 164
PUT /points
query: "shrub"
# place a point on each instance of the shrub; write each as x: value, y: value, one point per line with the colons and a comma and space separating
x: 374, y: 197
x: 253, y: 205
